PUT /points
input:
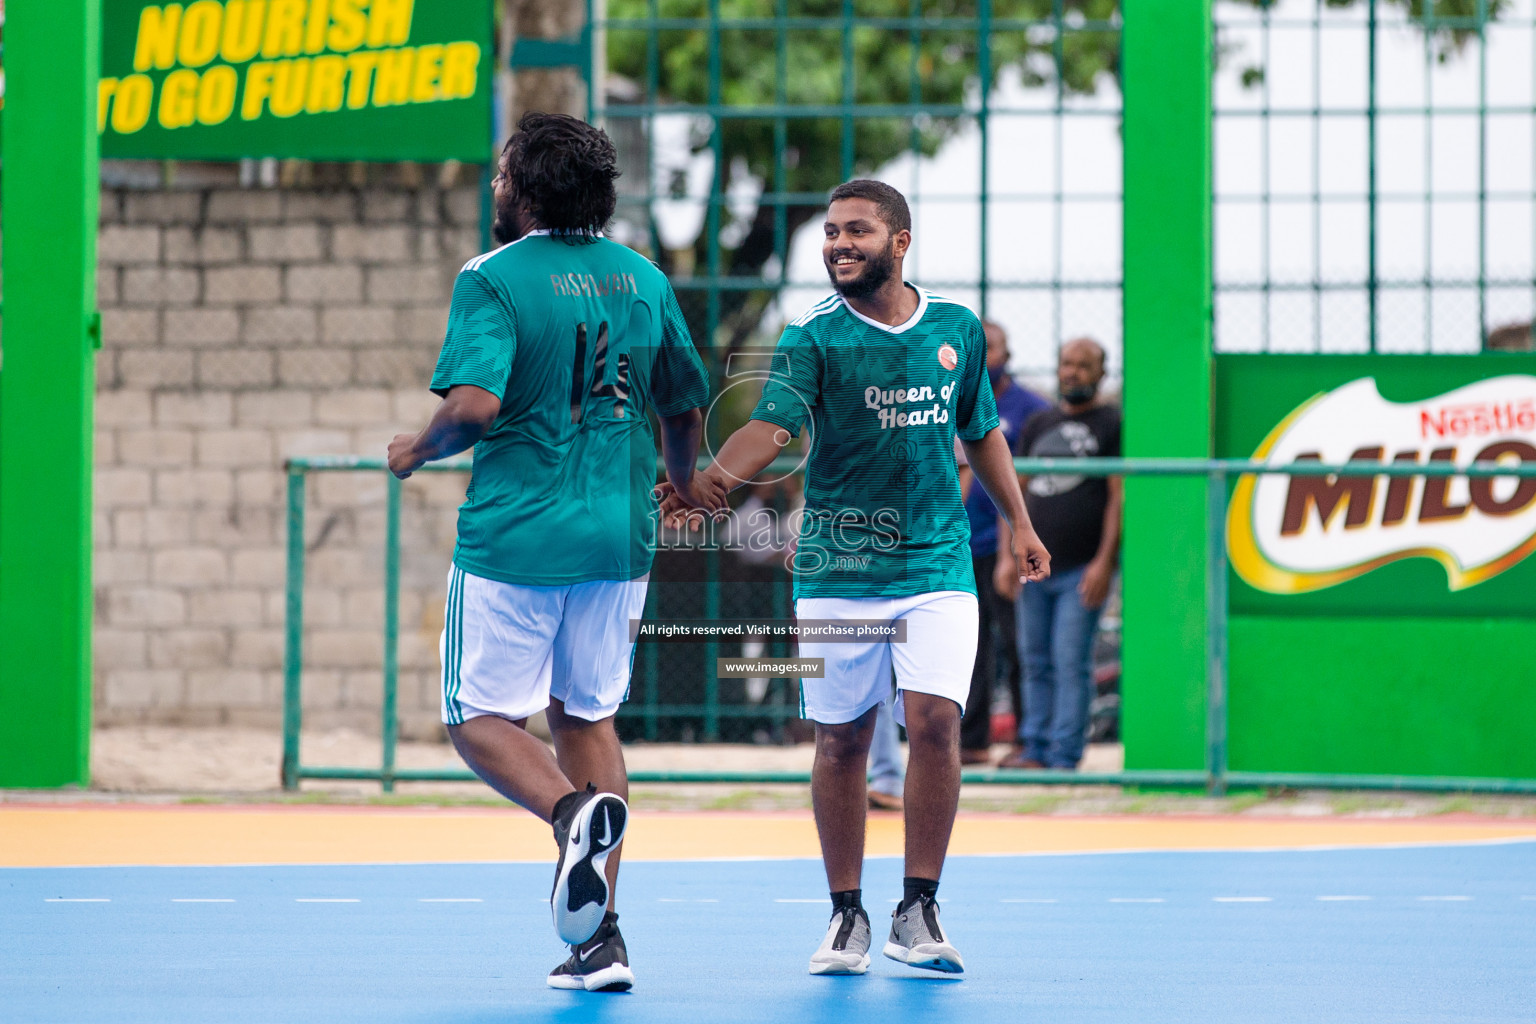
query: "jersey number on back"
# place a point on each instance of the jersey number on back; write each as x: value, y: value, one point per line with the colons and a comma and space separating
x: 618, y: 390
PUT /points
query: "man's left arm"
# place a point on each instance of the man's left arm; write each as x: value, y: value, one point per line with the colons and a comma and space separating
x: 680, y: 388
x: 1094, y: 586
x: 992, y: 463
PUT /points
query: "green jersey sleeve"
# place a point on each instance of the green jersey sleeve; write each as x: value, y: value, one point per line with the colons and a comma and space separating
x: 481, y: 338
x: 977, y: 409
x: 794, y: 381
x: 678, y: 380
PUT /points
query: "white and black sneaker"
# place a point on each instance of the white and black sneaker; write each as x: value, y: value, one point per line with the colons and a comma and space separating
x: 601, y: 964
x: 918, y: 941
x: 587, y: 833
x: 845, y: 950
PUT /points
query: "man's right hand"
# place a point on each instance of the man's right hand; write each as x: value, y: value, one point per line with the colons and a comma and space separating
x: 1026, y: 560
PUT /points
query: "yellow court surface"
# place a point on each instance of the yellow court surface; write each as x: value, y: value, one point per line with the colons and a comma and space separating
x: 56, y: 836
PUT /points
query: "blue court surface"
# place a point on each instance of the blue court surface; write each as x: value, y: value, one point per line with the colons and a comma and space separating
x: 1422, y: 934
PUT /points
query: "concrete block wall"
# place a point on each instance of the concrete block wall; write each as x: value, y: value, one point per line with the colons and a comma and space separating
x: 241, y: 327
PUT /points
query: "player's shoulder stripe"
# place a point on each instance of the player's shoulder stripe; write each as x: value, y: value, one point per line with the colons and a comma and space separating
x: 827, y: 305
x: 478, y: 261
x: 965, y: 312
x: 933, y: 297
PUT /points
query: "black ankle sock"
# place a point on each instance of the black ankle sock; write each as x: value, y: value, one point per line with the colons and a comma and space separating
x: 914, y: 889
x: 560, y: 816
x: 847, y: 899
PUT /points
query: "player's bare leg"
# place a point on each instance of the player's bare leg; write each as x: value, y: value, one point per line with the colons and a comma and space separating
x: 523, y: 769
x: 840, y: 797
x: 589, y: 752
x: 932, y: 794
x: 514, y: 763
x: 933, y: 780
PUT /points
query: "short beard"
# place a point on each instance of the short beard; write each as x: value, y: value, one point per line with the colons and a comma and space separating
x: 504, y: 229
x: 877, y: 270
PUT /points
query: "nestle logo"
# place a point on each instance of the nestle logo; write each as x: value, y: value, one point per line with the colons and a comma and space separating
x: 1478, y: 419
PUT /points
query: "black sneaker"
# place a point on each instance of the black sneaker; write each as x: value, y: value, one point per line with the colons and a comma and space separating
x: 601, y: 964
x: 586, y: 833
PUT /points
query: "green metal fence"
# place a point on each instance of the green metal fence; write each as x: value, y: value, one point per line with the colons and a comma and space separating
x: 1216, y: 777
x: 977, y: 111
x: 1374, y: 175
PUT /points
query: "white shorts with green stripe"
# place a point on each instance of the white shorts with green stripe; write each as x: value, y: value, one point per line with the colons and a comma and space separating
x: 506, y: 648
x: 937, y: 656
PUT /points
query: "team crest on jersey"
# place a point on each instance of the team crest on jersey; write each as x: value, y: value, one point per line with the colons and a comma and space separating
x: 948, y: 357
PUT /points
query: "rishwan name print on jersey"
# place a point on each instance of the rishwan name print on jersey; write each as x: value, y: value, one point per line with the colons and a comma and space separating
x: 589, y: 284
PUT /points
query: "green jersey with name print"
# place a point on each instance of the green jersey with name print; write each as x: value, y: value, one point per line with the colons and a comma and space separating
x: 883, y: 516
x: 581, y: 340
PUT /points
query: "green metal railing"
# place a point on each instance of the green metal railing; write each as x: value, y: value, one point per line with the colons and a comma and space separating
x: 1216, y: 777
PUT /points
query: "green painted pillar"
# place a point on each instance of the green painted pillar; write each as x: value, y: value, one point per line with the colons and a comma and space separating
x: 1166, y: 65
x: 48, y: 199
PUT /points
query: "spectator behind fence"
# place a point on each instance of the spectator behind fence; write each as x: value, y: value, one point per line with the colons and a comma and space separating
x: 1078, y: 518
x: 1514, y: 337
x: 1015, y: 405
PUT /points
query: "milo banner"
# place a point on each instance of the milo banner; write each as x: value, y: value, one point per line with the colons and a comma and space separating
x: 1381, y: 545
x: 312, y: 79
x: 1381, y: 625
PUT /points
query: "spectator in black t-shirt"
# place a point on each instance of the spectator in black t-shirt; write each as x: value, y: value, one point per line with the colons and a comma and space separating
x: 1078, y: 519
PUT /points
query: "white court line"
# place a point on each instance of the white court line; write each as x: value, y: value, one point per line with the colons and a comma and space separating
x: 1029, y: 901
x: 706, y: 901
x: 1242, y: 899
x: 822, y: 900
x: 1137, y: 899
x: 1444, y: 899
x: 198, y: 899
x: 303, y: 899
x: 1341, y: 899
x: 450, y: 899
x: 75, y: 899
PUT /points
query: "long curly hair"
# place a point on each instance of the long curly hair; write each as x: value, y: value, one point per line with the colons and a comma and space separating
x: 562, y: 169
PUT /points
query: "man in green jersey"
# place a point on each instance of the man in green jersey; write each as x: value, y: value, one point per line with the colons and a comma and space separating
x: 560, y: 345
x: 884, y: 376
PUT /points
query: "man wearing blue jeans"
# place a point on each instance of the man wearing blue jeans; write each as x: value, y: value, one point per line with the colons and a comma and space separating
x: 1078, y: 519
x: 887, y: 773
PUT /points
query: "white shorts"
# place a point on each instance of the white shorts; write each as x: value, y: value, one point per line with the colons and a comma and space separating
x: 937, y: 657
x: 506, y: 648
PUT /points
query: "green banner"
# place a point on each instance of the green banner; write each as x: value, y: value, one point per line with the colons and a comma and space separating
x: 307, y: 79
x: 1373, y: 546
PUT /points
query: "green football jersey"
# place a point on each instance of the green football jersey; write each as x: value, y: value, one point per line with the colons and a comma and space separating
x: 883, y: 516
x: 581, y: 341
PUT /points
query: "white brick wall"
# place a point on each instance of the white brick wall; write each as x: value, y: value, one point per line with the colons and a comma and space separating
x: 241, y: 327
